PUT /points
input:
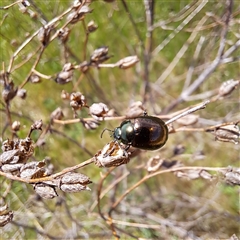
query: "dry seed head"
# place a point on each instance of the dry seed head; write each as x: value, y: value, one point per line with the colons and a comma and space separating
x: 111, y: 155
x: 194, y: 174
x: 37, y: 125
x: 12, y: 168
x: 65, y: 95
x: 45, y: 191
x: 9, y: 92
x: 33, y: 170
x: 135, y: 109
x: 78, y: 14
x: 92, y: 27
x: 7, y: 145
x: 90, y: 124
x: 44, y: 35
x: 227, y: 87
x: 232, y: 176
x: 22, y: 93
x: 63, y: 34
x: 16, y: 126
x: 5, y: 216
x: 228, y: 133
x: 127, y: 62
x: 34, y: 78
x: 99, y: 55
x: 9, y: 156
x: 73, y: 188
x: 66, y: 75
x: 77, y: 101
x: 57, y: 114
x: 72, y: 177
x: 98, y: 111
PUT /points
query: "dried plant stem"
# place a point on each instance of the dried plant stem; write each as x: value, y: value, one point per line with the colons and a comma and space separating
x: 208, y: 129
x: 191, y: 110
x: 41, y: 48
x: 49, y: 178
x: 101, y: 193
x: 78, y: 120
x: 28, y: 40
x: 41, y: 75
x: 10, y: 5
x: 216, y: 169
x: 179, y: 28
x: 180, y: 53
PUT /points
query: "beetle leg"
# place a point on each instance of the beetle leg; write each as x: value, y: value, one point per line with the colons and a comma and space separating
x: 128, y: 146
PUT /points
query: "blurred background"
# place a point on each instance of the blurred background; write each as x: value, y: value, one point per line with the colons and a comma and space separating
x: 188, y: 52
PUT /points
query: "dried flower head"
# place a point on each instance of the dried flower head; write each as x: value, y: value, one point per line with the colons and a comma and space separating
x: 33, y: 170
x: 12, y: 168
x: 44, y: 35
x: 227, y: 87
x: 57, y: 114
x: 232, y: 176
x: 77, y: 101
x: 16, y: 152
x: 10, y: 156
x: 45, y: 191
x: 90, y: 124
x: 6, y: 216
x: 194, y: 174
x: 22, y: 93
x: 78, y: 14
x: 92, y: 27
x: 98, y: 111
x: 65, y: 95
x: 9, y: 92
x: 26, y: 148
x: 34, y: 78
x: 37, y: 125
x: 66, y: 75
x: 228, y: 133
x: 16, y: 126
x: 127, y: 62
x: 135, y: 109
x: 99, y: 55
x: 63, y: 34
x: 7, y: 145
x: 111, y: 155
x: 74, y: 182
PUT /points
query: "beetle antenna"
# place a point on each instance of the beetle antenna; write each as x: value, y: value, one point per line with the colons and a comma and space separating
x: 106, y: 129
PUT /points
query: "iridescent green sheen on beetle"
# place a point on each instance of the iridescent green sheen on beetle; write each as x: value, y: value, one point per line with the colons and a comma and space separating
x: 145, y: 132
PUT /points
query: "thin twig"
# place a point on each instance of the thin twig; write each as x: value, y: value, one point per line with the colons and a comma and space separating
x: 49, y: 178
x: 10, y: 5
x: 217, y: 169
x: 191, y: 110
x: 179, y: 28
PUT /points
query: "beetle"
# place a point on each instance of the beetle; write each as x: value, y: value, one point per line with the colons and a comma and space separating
x: 144, y: 132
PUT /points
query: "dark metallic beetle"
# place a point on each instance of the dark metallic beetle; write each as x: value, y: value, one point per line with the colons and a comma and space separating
x: 145, y: 132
